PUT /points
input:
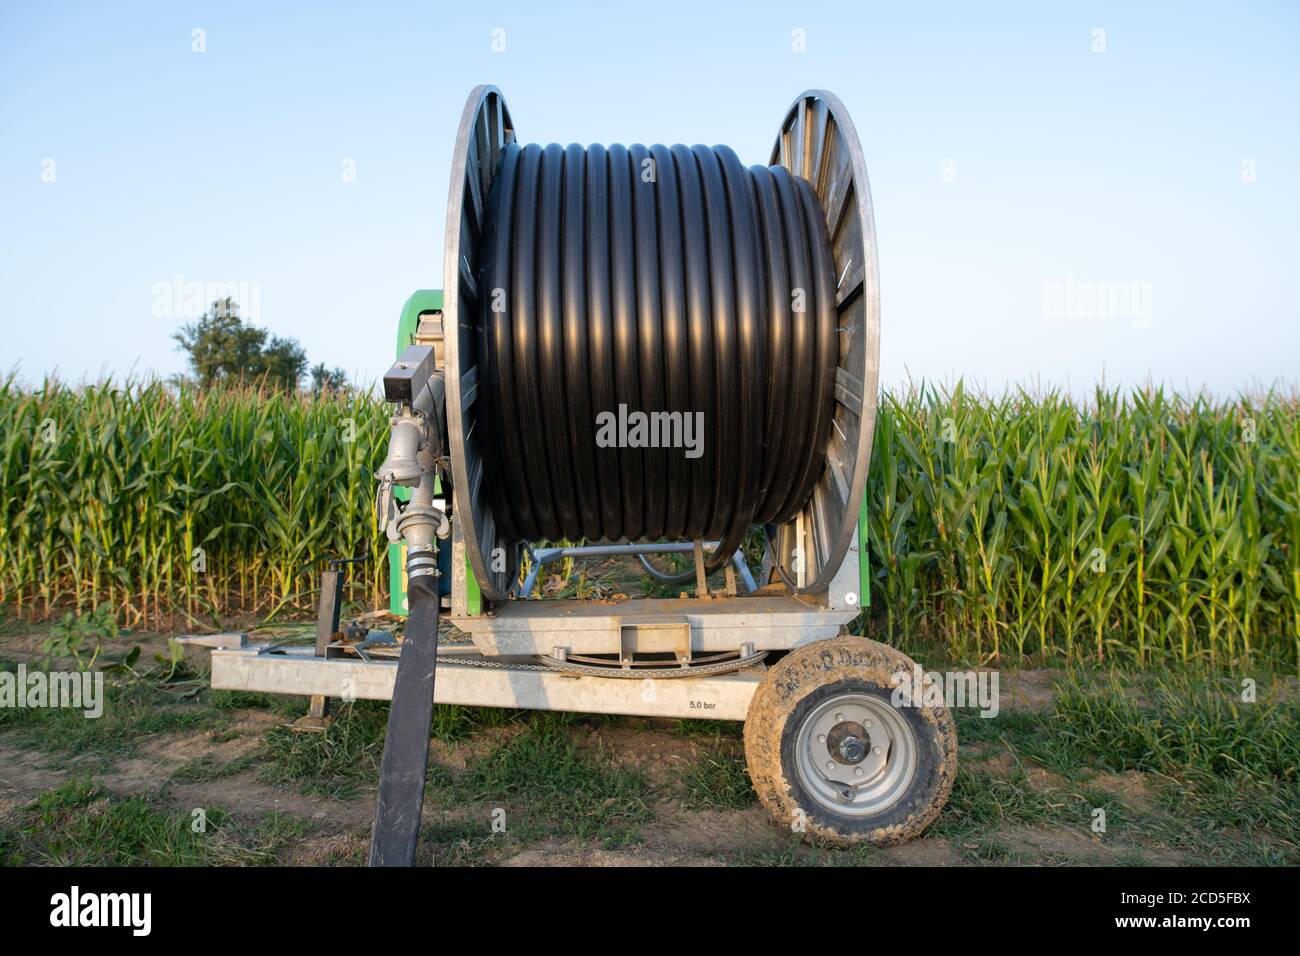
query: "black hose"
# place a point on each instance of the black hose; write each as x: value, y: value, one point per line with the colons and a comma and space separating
x: 405, y: 763
x: 661, y: 280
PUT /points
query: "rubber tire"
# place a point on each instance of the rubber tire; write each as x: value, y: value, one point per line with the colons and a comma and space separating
x: 792, y: 687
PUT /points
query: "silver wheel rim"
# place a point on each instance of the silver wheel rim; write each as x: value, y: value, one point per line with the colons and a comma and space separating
x: 832, y: 736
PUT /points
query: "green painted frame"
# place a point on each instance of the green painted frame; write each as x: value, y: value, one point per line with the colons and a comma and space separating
x: 420, y: 302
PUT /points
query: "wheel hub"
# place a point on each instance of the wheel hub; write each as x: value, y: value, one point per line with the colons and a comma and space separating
x: 856, y: 754
x: 847, y: 742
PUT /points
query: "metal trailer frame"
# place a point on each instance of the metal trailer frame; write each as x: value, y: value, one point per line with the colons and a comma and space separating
x: 497, y: 667
x: 295, y: 670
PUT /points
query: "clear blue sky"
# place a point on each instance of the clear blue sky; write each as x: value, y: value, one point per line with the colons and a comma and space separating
x: 1066, y: 165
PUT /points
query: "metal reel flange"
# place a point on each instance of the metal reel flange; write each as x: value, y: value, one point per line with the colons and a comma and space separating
x: 818, y: 142
x: 485, y: 130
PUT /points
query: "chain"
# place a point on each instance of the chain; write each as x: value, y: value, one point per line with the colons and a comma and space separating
x: 655, y: 673
x: 595, y: 670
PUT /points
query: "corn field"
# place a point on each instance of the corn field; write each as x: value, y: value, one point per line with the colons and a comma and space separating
x: 201, y: 503
x: 1145, y: 525
x: 1142, y: 525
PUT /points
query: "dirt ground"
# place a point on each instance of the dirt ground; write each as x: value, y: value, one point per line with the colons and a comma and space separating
x: 508, y: 788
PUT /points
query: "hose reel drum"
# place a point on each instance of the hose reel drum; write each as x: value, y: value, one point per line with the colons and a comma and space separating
x: 686, y: 280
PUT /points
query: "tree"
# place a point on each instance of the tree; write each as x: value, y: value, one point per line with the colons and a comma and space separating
x: 222, y: 348
x: 325, y: 379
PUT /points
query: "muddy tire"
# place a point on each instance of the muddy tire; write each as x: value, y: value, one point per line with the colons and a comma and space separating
x: 829, y: 752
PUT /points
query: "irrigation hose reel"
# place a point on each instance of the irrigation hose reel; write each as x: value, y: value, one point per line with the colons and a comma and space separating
x: 736, y: 310
x: 818, y: 147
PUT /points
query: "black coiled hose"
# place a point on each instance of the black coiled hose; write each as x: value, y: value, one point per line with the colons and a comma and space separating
x: 667, y: 279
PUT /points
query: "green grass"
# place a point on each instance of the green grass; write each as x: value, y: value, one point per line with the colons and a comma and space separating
x: 797, y: 851
x: 543, y: 781
x: 132, y: 710
x: 982, y: 802
x: 333, y: 763
x: 344, y: 757
x: 1019, y: 727
x: 718, y: 780
x: 460, y: 843
x: 79, y: 824
x: 1174, y: 721
x: 453, y: 724
x: 207, y: 768
x: 1231, y: 822
x: 287, y: 705
x: 1184, y: 724
x: 1223, y: 772
x: 988, y: 850
x: 546, y: 784
x: 696, y: 727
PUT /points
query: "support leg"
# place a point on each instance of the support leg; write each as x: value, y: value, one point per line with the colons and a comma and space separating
x: 327, y: 624
x: 701, y: 579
